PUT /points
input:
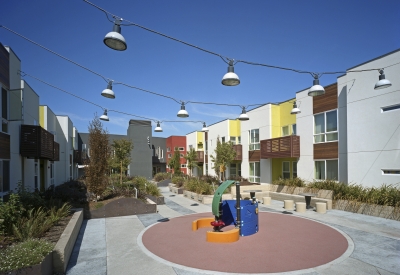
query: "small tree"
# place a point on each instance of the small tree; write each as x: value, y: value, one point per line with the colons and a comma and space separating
x: 224, y: 154
x: 121, y: 156
x: 175, y: 162
x: 191, y: 158
x: 97, y: 166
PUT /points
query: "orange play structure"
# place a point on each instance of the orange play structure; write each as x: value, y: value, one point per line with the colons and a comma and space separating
x: 229, y: 236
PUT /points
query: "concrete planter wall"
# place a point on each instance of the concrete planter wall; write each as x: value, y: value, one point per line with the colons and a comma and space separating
x: 387, y: 212
x: 63, y: 249
x: 157, y: 200
x: 44, y: 268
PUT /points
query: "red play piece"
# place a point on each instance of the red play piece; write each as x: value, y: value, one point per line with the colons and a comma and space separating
x: 217, y: 223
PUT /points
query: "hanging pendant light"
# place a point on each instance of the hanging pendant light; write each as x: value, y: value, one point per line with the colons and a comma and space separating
x: 230, y: 78
x: 114, y: 39
x: 105, y: 116
x: 182, y: 112
x: 382, y: 83
x: 158, y: 128
x: 295, y: 110
x: 243, y: 116
x: 204, y: 129
x: 316, y: 89
x: 108, y: 92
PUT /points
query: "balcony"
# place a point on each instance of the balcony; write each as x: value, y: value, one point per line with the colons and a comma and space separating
x: 37, y: 143
x: 80, y: 156
x: 283, y: 147
x: 238, y: 150
x: 200, y: 156
x: 4, y: 146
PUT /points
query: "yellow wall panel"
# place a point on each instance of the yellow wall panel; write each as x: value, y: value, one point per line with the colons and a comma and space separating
x: 41, y: 116
x: 277, y: 167
x: 234, y: 128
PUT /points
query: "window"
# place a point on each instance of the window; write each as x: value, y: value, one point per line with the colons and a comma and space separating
x: 206, y: 149
x: 36, y: 176
x: 169, y: 155
x: 4, y: 176
x: 4, y: 126
x: 52, y: 173
x: 181, y: 155
x: 206, y: 168
x: 239, y: 140
x: 285, y: 131
x: 4, y: 104
x: 294, y: 165
x: 325, y: 127
x: 254, y: 172
x: 168, y: 149
x: 183, y: 165
x: 294, y: 129
x: 232, y: 170
x: 200, y: 145
x: 233, y: 140
x: 286, y: 169
x: 326, y: 169
x: 223, y: 139
x: 190, y: 147
x: 181, y: 149
x: 390, y: 108
x: 254, y: 140
x: 391, y: 172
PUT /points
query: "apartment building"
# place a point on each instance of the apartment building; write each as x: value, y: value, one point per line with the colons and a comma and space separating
x: 197, y: 141
x: 225, y: 130
x: 176, y: 143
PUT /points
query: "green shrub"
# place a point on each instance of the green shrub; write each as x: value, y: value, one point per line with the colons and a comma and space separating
x: 178, y: 180
x: 162, y: 176
x: 34, y: 225
x: 57, y: 213
x: 153, y: 190
x: 296, y: 182
x: 28, y: 253
x: 10, y: 212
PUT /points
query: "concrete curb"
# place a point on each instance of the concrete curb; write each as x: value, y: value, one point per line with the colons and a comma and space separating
x: 63, y: 249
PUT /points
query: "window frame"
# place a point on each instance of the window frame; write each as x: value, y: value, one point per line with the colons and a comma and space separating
x: 325, y: 169
x: 253, y: 146
x: 325, y: 133
x: 288, y: 171
x: 254, y: 176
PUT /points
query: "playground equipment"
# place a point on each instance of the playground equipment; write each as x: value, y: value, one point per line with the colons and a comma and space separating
x: 241, y: 213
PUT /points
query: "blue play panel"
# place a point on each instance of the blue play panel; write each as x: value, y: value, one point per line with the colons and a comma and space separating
x: 249, y: 215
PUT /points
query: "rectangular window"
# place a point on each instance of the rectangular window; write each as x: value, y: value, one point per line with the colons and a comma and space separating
x: 168, y: 149
x: 285, y: 131
x: 254, y: 168
x: 4, y: 104
x: 390, y: 108
x: 254, y: 140
x: 169, y: 155
x: 233, y: 140
x: 206, y: 168
x: 190, y: 147
x: 325, y: 127
x: 183, y: 165
x: 239, y: 140
x: 5, y: 176
x: 391, y: 172
x: 232, y: 170
x: 223, y: 139
x: 181, y: 155
x: 4, y: 126
x: 294, y: 165
x: 206, y: 148
x: 326, y: 169
x: 181, y: 149
x: 294, y: 129
x: 286, y: 169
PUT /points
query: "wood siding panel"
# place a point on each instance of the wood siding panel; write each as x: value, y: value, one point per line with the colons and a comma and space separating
x: 200, y: 156
x: 327, y: 101
x: 36, y: 142
x: 4, y: 67
x: 283, y: 147
x: 4, y: 146
x: 206, y: 159
x: 238, y: 150
x: 254, y: 155
x: 328, y: 150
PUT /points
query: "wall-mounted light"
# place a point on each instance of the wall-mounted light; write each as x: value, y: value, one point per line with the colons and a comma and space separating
x: 108, y: 92
x: 382, y: 83
x: 230, y: 78
x: 182, y: 112
x: 316, y: 89
x: 114, y: 39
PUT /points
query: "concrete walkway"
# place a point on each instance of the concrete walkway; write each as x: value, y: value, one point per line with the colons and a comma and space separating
x: 110, y: 246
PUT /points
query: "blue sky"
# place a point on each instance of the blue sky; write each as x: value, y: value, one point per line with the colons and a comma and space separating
x: 315, y: 36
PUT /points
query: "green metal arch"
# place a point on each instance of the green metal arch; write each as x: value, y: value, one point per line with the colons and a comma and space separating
x: 218, y: 196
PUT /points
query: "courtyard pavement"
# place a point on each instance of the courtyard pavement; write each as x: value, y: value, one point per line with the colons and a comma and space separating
x: 113, y: 245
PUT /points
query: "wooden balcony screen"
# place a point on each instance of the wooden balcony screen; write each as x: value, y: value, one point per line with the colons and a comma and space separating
x: 283, y: 147
x: 79, y: 156
x: 200, y: 156
x: 4, y: 146
x: 36, y: 142
x: 238, y: 150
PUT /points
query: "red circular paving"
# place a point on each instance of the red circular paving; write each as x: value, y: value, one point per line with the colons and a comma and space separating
x: 283, y: 243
